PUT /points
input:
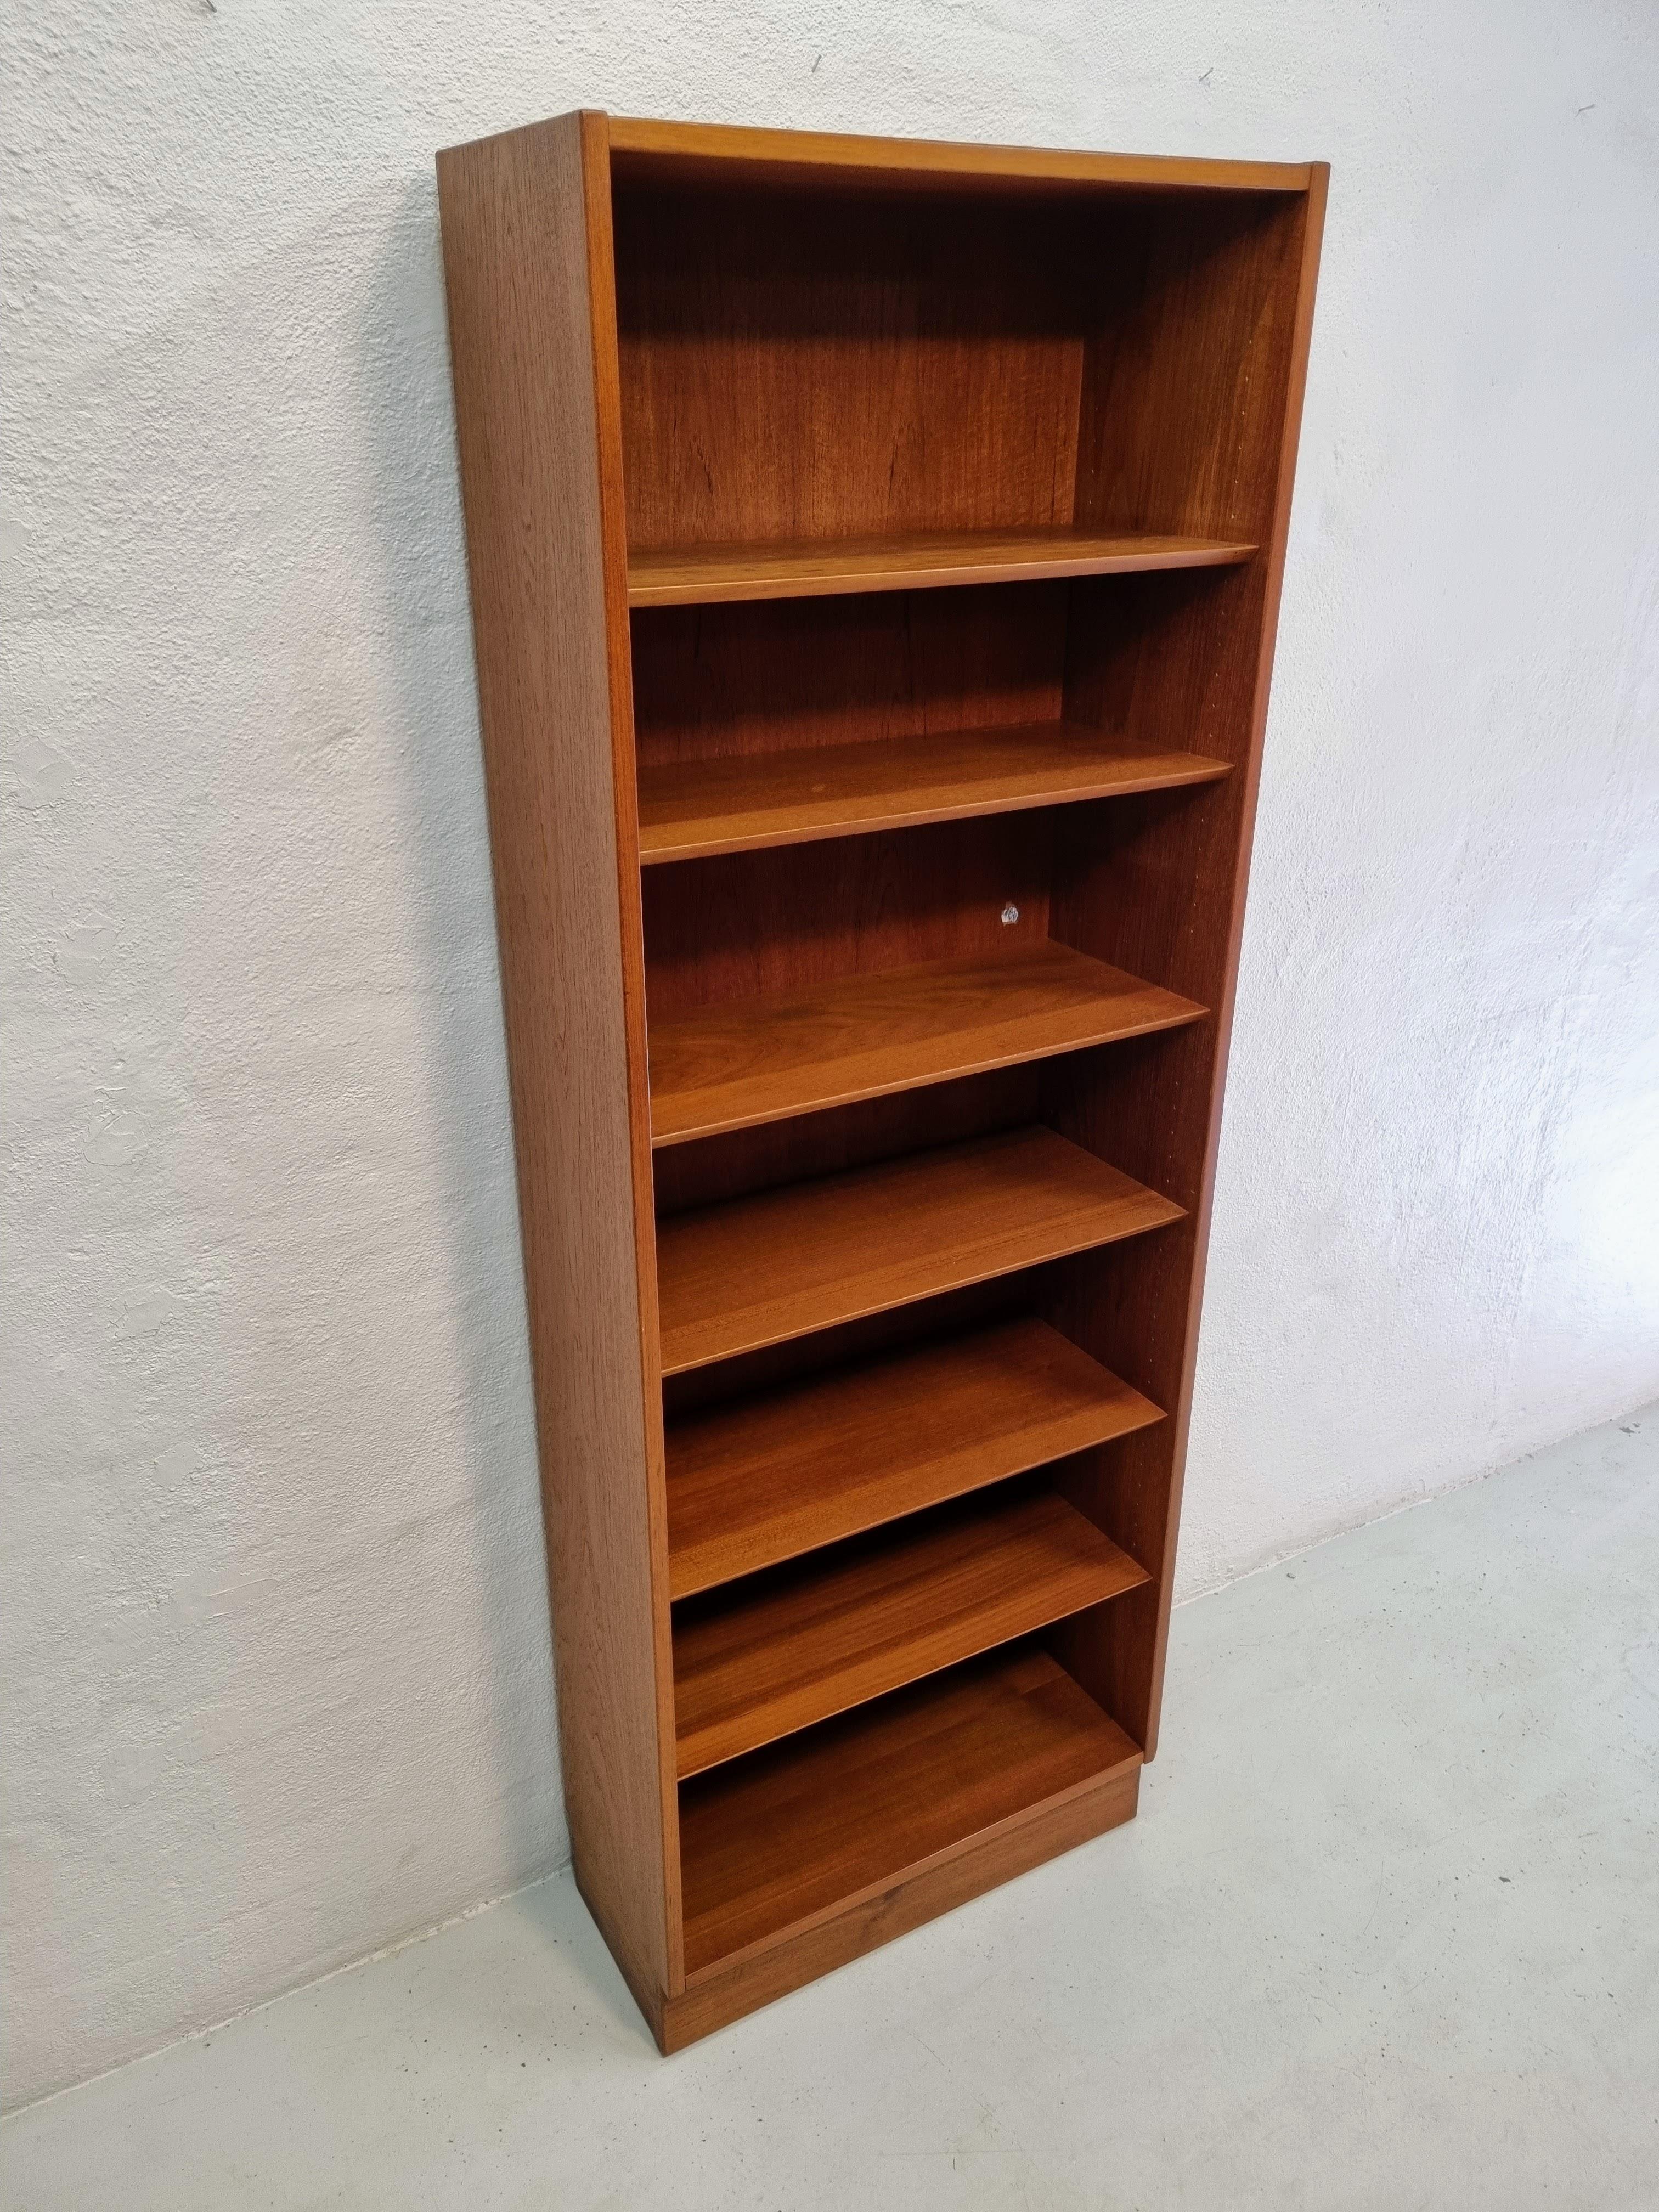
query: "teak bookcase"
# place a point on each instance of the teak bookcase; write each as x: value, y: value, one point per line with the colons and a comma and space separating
x: 875, y: 552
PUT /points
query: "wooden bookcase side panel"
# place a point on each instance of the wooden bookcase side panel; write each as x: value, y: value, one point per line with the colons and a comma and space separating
x: 525, y: 227
x: 1163, y: 883
x: 1183, y: 385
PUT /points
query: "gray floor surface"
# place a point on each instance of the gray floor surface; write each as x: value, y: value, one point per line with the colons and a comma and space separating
x: 1386, y: 1934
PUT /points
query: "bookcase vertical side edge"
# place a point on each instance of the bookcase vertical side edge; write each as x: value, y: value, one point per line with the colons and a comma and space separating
x: 607, y: 385
x: 1158, y: 886
x: 1274, y: 550
x: 525, y: 222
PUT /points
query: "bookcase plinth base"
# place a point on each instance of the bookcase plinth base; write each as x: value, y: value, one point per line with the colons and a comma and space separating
x: 725, y: 1992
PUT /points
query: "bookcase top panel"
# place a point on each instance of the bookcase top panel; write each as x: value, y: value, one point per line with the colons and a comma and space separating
x: 643, y: 150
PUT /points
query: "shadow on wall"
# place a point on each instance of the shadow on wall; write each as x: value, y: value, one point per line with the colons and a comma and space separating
x: 409, y: 444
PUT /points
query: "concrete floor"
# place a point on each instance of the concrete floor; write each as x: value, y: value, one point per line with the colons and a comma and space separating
x: 1386, y: 1934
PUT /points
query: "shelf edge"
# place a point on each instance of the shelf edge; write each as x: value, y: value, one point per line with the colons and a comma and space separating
x: 825, y: 827
x: 924, y: 576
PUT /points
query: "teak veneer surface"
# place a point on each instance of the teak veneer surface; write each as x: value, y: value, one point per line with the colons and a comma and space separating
x: 776, y: 678
x: 730, y: 406
x: 682, y: 575
x: 1213, y: 448
x: 771, y: 1967
x: 528, y: 273
x: 728, y: 1066
x: 762, y: 1480
x: 818, y: 394
x: 756, y: 1270
x: 646, y: 149
x: 836, y: 1631
x: 817, y: 1822
x: 689, y: 809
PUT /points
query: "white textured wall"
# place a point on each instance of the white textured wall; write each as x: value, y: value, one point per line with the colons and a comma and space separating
x: 275, y: 1640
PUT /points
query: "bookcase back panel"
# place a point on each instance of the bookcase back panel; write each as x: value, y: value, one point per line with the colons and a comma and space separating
x: 756, y: 925
x: 805, y: 1145
x: 815, y: 365
x: 1030, y: 1290
x: 777, y: 675
x: 820, y: 364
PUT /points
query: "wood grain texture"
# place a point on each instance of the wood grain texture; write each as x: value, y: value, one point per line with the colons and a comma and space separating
x: 681, y: 152
x: 725, y: 1067
x: 821, y: 398
x: 746, y: 1161
x: 767, y: 676
x: 762, y: 1480
x: 734, y: 1277
x: 808, y: 384
x: 691, y: 809
x: 527, y: 269
x: 798, y: 373
x: 784, y: 923
x: 1164, y: 883
x: 664, y: 576
x: 725, y: 1991
x: 822, y: 1823
x: 774, y: 1656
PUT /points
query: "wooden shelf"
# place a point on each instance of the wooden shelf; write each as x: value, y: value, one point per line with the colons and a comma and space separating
x: 834, y: 1631
x: 734, y: 1277
x: 761, y: 1481
x: 728, y: 1066
x: 691, y: 809
x: 793, y: 1834
x: 802, y: 569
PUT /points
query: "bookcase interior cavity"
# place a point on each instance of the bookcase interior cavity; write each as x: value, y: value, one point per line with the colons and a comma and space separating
x: 919, y: 515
